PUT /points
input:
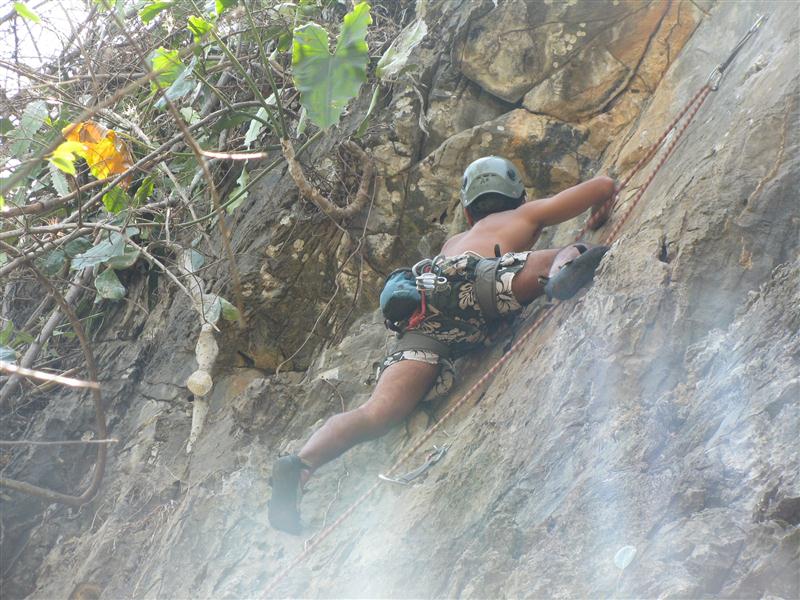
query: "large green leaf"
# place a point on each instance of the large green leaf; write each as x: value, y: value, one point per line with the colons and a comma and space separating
x: 327, y: 82
x: 128, y: 257
x: 240, y: 192
x: 59, y: 181
x: 109, y: 286
x: 114, y: 246
x: 151, y: 10
x: 168, y: 65
x: 116, y: 200
x: 222, y: 5
x: 104, y: 251
x: 173, y: 75
x: 74, y: 247
x: 199, y: 28
x: 51, y: 263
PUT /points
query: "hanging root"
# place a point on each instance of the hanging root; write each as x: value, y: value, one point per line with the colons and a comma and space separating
x: 336, y: 213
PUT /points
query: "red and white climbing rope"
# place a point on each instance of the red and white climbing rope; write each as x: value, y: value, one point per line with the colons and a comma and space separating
x: 689, y: 111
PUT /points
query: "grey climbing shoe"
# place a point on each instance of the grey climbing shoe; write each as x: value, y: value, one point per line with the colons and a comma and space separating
x: 575, y: 274
x: 283, y: 507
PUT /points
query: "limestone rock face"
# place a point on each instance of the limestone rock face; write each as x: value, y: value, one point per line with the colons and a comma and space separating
x: 516, y: 45
x: 655, y: 415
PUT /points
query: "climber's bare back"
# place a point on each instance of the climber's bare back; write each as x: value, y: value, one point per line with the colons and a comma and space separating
x: 507, y: 228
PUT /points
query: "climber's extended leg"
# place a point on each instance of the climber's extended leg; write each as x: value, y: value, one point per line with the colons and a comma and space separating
x: 287, y: 480
x: 527, y: 283
x: 400, y: 388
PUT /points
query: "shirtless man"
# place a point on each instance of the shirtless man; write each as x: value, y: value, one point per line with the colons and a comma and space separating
x: 455, y: 320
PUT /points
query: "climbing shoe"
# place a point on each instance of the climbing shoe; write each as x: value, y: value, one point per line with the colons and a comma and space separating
x: 283, y: 507
x: 572, y: 276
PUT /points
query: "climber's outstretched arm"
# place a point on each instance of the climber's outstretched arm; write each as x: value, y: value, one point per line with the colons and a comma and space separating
x: 567, y: 204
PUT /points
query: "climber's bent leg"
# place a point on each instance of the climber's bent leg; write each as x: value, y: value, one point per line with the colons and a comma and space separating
x: 400, y: 387
x: 527, y: 283
x: 573, y: 268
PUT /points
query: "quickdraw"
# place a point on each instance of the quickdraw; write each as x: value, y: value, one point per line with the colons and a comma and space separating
x: 431, y: 459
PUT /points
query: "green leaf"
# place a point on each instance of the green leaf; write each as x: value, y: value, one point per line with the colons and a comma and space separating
x: 184, y: 83
x: 229, y: 311
x: 109, y: 286
x: 59, y: 181
x: 256, y: 125
x: 2, y: 203
x: 199, y: 28
x: 7, y: 354
x: 52, y: 262
x: 396, y: 56
x: 362, y: 128
x: 128, y: 257
x: 74, y: 247
x: 221, y: 5
x: 239, y: 193
x: 150, y: 11
x: 32, y: 119
x: 190, y: 114
x: 22, y: 337
x: 6, y: 125
x: 114, y: 246
x: 116, y: 200
x: 145, y: 191
x: 168, y: 65
x: 231, y: 120
x: 65, y: 155
x: 24, y: 11
x: 302, y: 121
x: 327, y: 82
x: 7, y: 332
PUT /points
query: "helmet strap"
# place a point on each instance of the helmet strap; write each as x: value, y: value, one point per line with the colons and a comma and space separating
x: 470, y: 220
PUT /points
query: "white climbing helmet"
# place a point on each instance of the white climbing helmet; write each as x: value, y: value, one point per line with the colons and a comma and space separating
x: 490, y: 174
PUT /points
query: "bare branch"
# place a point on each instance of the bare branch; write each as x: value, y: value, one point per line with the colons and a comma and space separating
x: 56, y: 443
x: 336, y: 213
x: 43, y: 376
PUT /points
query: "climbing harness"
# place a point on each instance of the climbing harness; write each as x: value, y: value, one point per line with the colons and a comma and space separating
x: 689, y: 111
x: 431, y: 459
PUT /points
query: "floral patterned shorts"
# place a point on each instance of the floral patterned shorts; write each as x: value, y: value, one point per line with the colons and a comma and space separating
x: 454, y: 317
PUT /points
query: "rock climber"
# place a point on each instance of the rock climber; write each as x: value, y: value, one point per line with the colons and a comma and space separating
x: 463, y: 294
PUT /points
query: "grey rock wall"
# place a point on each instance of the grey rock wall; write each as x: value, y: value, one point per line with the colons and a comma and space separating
x: 658, y: 411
